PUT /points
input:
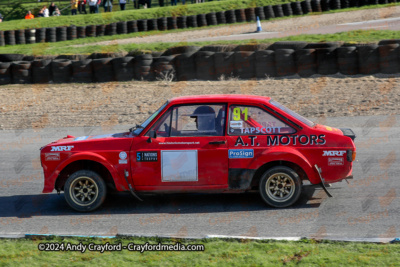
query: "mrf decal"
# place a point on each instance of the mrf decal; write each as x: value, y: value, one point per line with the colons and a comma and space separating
x: 284, y: 140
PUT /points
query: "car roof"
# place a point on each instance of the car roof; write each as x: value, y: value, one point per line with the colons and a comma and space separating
x: 219, y: 98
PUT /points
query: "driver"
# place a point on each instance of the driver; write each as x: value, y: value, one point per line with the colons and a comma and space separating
x: 205, y: 118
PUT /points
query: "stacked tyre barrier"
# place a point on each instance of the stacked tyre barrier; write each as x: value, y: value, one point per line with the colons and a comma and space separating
x: 30, y: 36
x: 185, y: 63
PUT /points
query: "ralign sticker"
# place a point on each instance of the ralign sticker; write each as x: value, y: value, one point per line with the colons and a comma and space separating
x: 52, y: 156
x: 335, y: 161
x: 147, y: 156
x: 236, y: 124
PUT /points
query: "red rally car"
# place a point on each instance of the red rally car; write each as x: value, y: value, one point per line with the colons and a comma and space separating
x: 213, y: 143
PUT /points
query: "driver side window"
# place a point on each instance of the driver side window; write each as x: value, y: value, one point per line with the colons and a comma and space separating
x: 192, y: 120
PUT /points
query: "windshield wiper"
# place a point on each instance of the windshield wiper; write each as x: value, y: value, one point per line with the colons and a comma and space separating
x: 136, y: 127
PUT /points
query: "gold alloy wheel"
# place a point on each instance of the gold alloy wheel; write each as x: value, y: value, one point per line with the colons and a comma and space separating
x: 280, y: 187
x: 84, y: 191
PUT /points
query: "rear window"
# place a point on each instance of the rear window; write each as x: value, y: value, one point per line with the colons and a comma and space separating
x: 292, y: 113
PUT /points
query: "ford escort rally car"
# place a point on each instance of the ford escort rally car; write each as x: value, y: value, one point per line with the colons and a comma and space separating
x: 213, y: 143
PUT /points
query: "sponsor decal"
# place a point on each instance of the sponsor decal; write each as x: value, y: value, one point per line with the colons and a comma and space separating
x: 236, y: 124
x: 263, y: 130
x: 81, y: 138
x: 122, y: 157
x: 335, y: 161
x: 61, y: 148
x: 284, y: 140
x: 334, y: 153
x: 147, y: 156
x: 179, y: 143
x: 241, y: 153
x: 52, y: 156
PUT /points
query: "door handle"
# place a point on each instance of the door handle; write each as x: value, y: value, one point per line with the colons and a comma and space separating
x: 217, y: 142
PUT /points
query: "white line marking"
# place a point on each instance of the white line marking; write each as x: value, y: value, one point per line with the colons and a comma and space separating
x: 373, y: 27
x: 369, y: 21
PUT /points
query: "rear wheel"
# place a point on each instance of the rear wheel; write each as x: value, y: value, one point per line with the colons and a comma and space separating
x: 85, y: 190
x: 280, y: 187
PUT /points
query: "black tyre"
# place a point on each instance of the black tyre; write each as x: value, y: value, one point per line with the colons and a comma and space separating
x: 280, y: 187
x: 85, y: 191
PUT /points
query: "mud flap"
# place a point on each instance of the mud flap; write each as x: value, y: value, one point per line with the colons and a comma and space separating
x: 322, y: 181
x: 130, y: 187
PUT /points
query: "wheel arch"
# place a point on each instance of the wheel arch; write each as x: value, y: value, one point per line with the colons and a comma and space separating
x: 261, y: 170
x: 84, y: 164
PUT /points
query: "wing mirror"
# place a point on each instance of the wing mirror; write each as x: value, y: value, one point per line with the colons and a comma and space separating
x: 152, y: 134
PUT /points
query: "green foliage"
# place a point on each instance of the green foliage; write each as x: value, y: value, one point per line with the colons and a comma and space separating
x: 217, y: 253
x: 88, y: 45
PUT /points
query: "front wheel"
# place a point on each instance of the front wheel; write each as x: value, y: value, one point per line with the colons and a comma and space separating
x: 280, y: 187
x: 85, y: 190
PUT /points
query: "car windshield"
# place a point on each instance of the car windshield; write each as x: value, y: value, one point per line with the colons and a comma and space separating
x: 139, y: 128
x: 292, y: 113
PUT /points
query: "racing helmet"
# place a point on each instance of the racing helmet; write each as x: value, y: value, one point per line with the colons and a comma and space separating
x: 205, y: 118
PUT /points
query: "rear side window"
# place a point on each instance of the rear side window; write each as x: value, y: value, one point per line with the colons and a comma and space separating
x: 250, y: 120
x: 192, y: 120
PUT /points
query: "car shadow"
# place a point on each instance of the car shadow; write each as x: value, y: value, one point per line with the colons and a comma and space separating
x: 27, y: 206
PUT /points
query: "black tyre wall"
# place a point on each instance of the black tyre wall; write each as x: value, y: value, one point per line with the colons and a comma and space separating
x: 123, y: 68
x: 250, y: 14
x: 326, y: 61
x: 71, y: 33
x: 61, y: 34
x: 122, y: 27
x: 41, y: 71
x: 82, y: 71
x: 132, y: 26
x: 285, y: 65
x: 185, y: 66
x: 368, y: 59
x: 20, y: 37
x: 278, y: 12
x: 389, y: 58
x: 163, y: 67
x: 347, y: 59
x: 221, y: 18
x: 9, y: 37
x: 244, y: 64
x: 265, y: 64
x: 100, y: 30
x: 230, y: 16
x: 61, y: 70
x: 205, y: 66
x: 5, y: 73
x: 260, y: 12
x: 21, y: 72
x: 142, y: 67
x: 224, y: 64
x: 240, y: 15
x: 181, y: 22
x: 30, y: 36
x: 41, y: 35
x: 306, y: 62
x: 201, y: 20
x: 103, y: 70
x: 269, y: 12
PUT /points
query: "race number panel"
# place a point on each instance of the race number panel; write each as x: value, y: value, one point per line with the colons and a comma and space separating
x: 179, y: 166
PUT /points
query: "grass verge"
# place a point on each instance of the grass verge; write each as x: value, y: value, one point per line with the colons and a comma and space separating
x: 64, y: 48
x: 217, y: 253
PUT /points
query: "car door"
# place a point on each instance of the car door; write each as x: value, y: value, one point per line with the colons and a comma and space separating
x: 188, y: 153
x: 251, y: 132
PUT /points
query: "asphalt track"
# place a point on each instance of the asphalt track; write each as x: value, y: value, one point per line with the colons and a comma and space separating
x: 380, y: 24
x: 366, y: 209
